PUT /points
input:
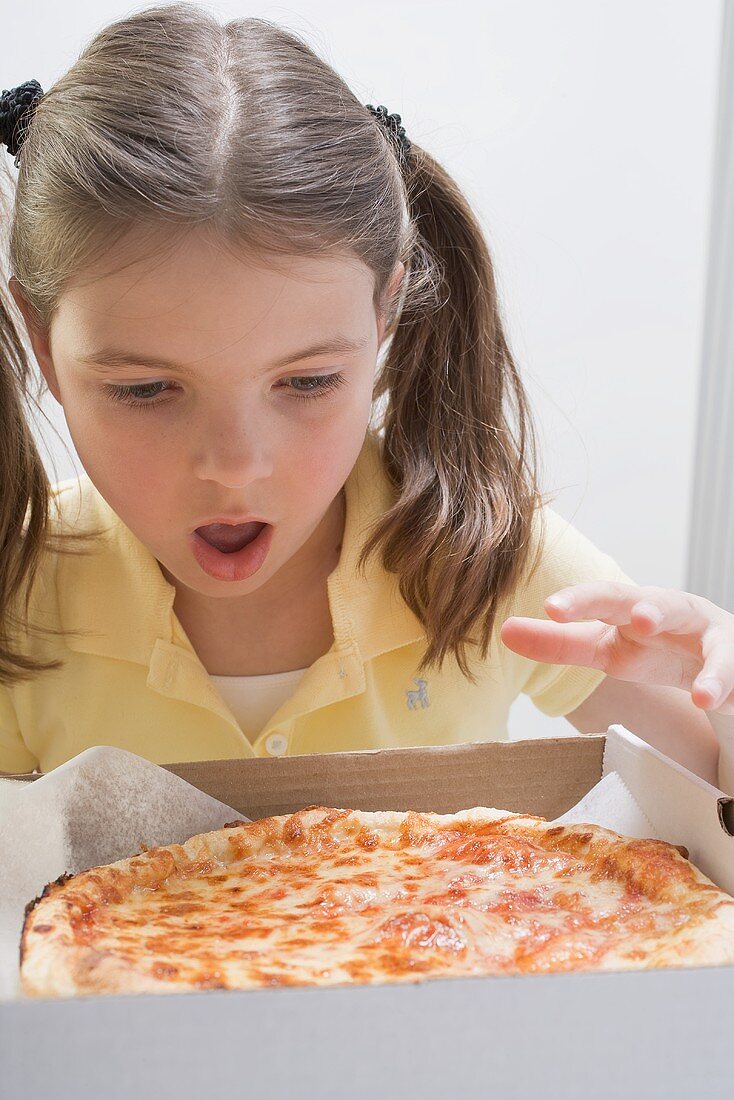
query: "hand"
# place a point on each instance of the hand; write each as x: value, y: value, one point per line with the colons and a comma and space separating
x: 645, y: 634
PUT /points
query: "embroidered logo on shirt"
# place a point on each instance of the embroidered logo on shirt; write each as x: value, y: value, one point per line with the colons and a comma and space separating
x: 419, y: 696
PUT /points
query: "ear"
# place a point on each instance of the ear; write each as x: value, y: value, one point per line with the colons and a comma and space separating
x: 391, y: 290
x: 39, y: 340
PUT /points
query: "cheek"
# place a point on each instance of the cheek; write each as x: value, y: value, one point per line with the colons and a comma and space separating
x: 129, y: 460
x: 328, y: 441
x: 317, y: 463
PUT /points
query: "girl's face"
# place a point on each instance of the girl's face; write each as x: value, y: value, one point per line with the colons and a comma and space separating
x: 239, y: 416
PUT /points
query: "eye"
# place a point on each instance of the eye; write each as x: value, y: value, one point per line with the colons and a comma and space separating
x: 323, y: 383
x: 142, y: 396
x: 146, y: 394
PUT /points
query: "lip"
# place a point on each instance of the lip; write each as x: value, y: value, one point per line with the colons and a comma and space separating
x: 231, y: 519
x: 237, y: 566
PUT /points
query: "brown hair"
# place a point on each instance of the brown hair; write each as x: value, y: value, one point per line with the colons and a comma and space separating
x: 170, y: 119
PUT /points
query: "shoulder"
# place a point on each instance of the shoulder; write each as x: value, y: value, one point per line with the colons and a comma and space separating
x: 563, y: 545
x: 76, y: 506
x: 78, y: 518
x: 557, y: 535
x: 560, y: 555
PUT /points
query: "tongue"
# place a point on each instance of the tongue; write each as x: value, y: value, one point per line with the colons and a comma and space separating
x: 227, y: 537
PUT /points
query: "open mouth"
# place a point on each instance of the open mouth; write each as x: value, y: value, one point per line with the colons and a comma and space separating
x: 228, y: 538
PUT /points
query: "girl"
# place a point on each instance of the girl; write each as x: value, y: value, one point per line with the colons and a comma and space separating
x: 278, y: 545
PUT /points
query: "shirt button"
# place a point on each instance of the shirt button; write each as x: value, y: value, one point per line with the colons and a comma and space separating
x: 276, y: 744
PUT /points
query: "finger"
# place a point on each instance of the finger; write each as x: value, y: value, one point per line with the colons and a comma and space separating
x: 608, y: 601
x: 675, y: 612
x: 553, y: 643
x: 715, y: 681
x: 648, y: 608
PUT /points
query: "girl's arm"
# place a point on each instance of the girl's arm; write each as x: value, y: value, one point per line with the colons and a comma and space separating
x: 665, y: 717
x: 668, y: 656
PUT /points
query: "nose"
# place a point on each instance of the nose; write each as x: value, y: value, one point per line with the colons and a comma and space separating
x: 232, y: 449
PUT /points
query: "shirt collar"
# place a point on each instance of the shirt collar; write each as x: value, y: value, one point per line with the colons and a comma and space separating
x: 118, y: 596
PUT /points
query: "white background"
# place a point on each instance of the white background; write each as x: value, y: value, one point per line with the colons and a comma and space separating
x: 582, y: 132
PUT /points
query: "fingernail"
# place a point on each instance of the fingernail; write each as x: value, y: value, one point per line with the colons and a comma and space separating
x: 714, y: 688
x: 562, y: 603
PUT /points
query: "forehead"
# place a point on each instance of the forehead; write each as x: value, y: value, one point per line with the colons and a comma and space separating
x: 200, y: 291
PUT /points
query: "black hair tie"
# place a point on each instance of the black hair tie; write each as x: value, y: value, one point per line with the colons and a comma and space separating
x: 16, y: 111
x: 397, y: 132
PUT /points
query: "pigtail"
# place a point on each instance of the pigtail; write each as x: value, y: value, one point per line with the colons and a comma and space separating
x: 459, y: 532
x: 26, y: 502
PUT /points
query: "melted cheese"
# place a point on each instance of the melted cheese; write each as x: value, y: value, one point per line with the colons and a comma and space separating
x: 324, y: 899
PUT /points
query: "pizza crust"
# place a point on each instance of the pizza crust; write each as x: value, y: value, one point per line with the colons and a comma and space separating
x: 333, y: 896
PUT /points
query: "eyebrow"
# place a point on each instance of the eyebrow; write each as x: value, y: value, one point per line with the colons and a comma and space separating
x: 118, y: 358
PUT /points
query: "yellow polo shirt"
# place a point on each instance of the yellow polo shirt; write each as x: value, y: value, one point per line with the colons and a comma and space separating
x: 133, y: 679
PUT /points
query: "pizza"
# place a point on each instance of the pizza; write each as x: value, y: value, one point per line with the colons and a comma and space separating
x: 331, y: 896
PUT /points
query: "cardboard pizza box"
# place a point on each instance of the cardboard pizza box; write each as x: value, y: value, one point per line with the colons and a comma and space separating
x: 663, y: 1033
x: 541, y: 776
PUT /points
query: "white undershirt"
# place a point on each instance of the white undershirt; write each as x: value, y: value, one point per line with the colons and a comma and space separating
x: 254, y: 699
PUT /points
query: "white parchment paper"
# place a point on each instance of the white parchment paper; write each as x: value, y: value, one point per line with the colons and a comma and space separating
x: 101, y: 806
x: 611, y: 805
